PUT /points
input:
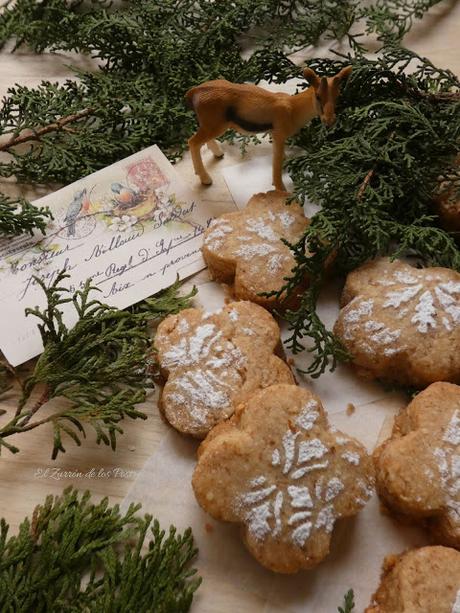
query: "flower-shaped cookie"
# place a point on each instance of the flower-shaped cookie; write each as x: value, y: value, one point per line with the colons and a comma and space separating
x: 418, y: 468
x: 425, y: 580
x: 279, y: 470
x: 401, y: 323
x: 245, y: 247
x: 213, y: 361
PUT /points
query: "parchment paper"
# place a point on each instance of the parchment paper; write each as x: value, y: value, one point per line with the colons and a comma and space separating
x: 232, y: 579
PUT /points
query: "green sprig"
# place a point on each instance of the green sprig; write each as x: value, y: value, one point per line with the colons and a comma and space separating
x: 348, y: 602
x: 101, y: 366
x: 77, y: 556
x: 18, y: 216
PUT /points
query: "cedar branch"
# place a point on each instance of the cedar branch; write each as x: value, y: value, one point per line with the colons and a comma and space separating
x: 60, y: 124
x: 40, y: 402
x: 365, y: 183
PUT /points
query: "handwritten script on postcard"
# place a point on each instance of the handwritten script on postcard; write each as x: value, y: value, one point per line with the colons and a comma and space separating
x: 131, y: 228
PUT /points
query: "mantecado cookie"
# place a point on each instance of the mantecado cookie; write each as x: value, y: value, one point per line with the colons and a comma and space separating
x: 213, y: 361
x: 418, y: 467
x: 244, y: 248
x: 425, y: 580
x: 402, y: 324
x: 279, y: 470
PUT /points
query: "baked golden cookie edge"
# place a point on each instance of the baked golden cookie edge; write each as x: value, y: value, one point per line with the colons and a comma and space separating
x: 278, y: 469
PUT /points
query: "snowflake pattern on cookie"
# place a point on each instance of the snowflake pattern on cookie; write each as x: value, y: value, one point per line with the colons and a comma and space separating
x: 396, y: 315
x: 212, y: 360
x: 418, y: 468
x: 246, y: 247
x: 304, y: 477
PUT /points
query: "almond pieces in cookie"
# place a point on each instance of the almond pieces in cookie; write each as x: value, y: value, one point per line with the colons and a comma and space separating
x: 425, y: 580
x: 402, y: 324
x: 418, y: 467
x: 245, y: 249
x: 279, y: 470
x: 214, y: 361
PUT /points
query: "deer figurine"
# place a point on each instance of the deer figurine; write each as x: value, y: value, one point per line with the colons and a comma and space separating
x: 220, y: 105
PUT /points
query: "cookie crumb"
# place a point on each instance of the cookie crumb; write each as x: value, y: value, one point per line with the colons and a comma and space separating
x: 350, y: 408
x: 209, y: 528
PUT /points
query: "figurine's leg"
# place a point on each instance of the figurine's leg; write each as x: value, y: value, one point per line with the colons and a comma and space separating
x: 215, y: 147
x: 278, y: 157
x: 195, y: 143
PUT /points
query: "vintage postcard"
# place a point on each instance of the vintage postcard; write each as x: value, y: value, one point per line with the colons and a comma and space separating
x: 131, y: 227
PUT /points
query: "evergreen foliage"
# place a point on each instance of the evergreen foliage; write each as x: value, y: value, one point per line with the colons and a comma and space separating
x: 151, y: 53
x: 348, y: 603
x: 374, y: 172
x: 18, y: 216
x: 75, y: 556
x: 100, y: 368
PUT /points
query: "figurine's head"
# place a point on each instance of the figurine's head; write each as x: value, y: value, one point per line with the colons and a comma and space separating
x: 326, y: 92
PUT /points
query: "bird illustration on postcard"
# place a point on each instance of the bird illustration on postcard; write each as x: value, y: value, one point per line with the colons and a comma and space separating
x: 131, y: 228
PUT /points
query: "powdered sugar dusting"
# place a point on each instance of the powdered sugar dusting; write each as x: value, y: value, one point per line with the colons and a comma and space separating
x: 250, y: 251
x: 276, y: 458
x: 452, y: 433
x: 395, y: 299
x: 286, y: 219
x: 301, y: 472
x: 275, y: 262
x: 425, y: 310
x: 450, y: 304
x: 417, y: 298
x: 449, y: 471
x: 333, y: 489
x: 289, y: 450
x: 360, y: 309
x: 233, y: 314
x: 192, y: 350
x: 257, y: 518
x: 456, y: 605
x: 258, y: 481
x: 326, y: 519
x: 205, y: 368
x: 215, y: 238
x: 183, y: 326
x: 404, y: 276
x: 451, y: 287
x: 385, y: 336
x: 352, y: 457
x: 311, y: 450
x: 274, y: 505
x: 198, y: 391
x: 300, y: 497
x: 308, y: 415
x: 425, y: 313
x: 259, y: 227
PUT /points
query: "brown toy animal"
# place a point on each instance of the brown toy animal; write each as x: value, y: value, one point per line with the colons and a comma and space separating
x: 220, y: 105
